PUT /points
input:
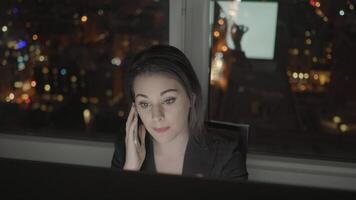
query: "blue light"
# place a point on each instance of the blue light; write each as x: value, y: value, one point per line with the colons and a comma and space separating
x: 63, y: 72
x: 21, y: 44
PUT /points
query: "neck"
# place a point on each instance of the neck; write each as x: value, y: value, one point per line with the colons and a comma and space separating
x: 175, y: 147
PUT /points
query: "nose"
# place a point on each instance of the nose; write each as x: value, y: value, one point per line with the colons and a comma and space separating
x: 157, y: 113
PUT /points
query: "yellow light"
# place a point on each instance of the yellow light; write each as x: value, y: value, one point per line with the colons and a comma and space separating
x: 18, y: 84
x: 319, y: 12
x: 317, y: 4
x: 316, y: 76
x: 351, y: 7
x: 315, y: 59
x: 216, y: 33
x: 33, y: 83
x: 325, y: 18
x: 86, y: 116
x: 84, y: 100
x: 4, y: 62
x: 45, y: 70
x: 26, y: 86
x: 11, y: 96
x: 94, y: 100
x: 73, y: 79
x: 306, y: 52
x: 224, y: 48
x: 34, y: 37
x: 301, y: 75
x: 308, y: 41
x: 221, y: 22
x: 329, y: 56
x: 24, y: 96
x: 84, y: 18
x: 60, y: 98
x: 47, y: 88
x: 337, y: 119
x: 295, y: 75
x: 41, y: 58
x: 293, y: 51
x: 323, y: 79
x: 344, y: 128
x: 306, y: 75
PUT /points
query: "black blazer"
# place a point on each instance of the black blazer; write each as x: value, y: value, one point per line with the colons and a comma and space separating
x: 211, y: 156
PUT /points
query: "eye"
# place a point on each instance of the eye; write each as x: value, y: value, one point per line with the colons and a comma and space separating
x: 170, y: 100
x: 143, y: 105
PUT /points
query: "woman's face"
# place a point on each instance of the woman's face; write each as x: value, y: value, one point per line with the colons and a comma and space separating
x: 162, y: 105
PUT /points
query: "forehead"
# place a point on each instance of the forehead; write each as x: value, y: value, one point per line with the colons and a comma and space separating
x: 154, y: 84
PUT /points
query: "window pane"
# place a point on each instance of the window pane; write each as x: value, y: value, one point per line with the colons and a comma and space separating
x: 62, y: 62
x: 291, y: 77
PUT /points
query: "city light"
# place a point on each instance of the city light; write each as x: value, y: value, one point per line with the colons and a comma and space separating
x: 84, y: 18
x: 18, y: 84
x: 63, y: 71
x: 216, y: 33
x: 47, y: 87
x: 11, y: 96
x: 336, y: 119
x: 45, y: 70
x: 4, y: 28
x: 86, y: 116
x: 224, y: 48
x: 60, y: 98
x: 73, y: 79
x: 34, y: 37
x: 221, y: 22
x: 41, y: 58
x: 116, y: 61
x: 84, y: 100
x: 21, y: 44
x: 344, y: 128
x: 341, y: 12
x: 33, y: 83
x: 295, y: 75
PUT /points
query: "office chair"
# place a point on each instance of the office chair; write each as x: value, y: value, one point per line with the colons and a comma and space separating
x: 232, y: 131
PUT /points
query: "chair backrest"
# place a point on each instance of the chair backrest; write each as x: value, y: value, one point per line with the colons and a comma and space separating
x: 232, y: 130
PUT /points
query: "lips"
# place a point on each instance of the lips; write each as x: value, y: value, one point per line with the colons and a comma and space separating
x: 161, y: 130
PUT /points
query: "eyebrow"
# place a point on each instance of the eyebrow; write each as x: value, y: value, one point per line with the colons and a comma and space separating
x: 162, y: 93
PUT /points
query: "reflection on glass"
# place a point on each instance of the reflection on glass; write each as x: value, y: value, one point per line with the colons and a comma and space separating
x: 62, y: 62
x: 293, y: 82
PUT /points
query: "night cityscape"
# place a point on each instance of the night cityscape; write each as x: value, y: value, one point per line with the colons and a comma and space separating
x: 303, y: 102
x: 62, y: 62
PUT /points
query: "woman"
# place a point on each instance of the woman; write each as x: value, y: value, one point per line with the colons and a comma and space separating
x: 167, y: 103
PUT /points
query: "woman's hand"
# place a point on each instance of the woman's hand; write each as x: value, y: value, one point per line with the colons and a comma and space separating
x: 135, y: 151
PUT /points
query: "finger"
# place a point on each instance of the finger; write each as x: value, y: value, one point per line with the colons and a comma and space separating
x: 130, y: 118
x: 142, y: 134
x: 132, y: 128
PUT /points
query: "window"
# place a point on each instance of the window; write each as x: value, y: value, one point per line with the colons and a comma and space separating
x: 286, y: 68
x: 62, y: 63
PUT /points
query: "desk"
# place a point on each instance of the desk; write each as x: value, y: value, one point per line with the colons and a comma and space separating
x: 21, y: 179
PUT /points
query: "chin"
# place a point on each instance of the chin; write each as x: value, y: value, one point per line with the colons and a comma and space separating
x: 163, y: 138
